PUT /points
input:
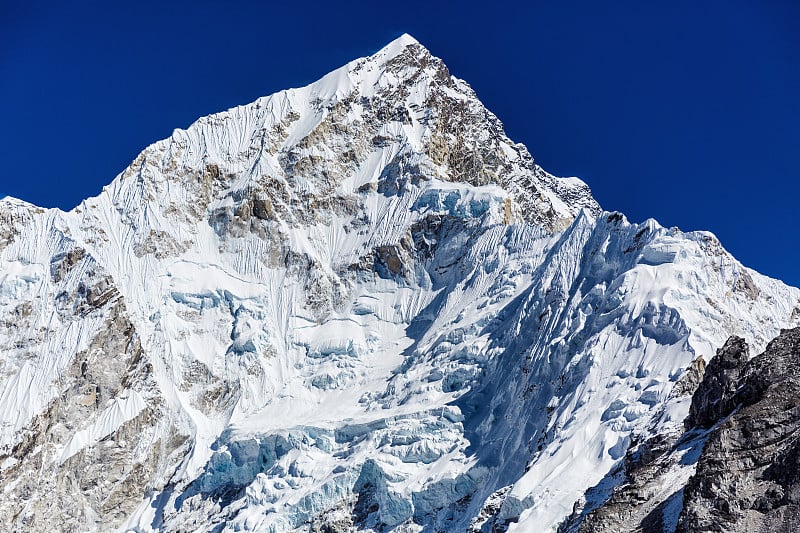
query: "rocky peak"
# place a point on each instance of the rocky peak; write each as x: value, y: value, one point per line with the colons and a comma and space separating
x: 715, y: 396
x: 313, y: 155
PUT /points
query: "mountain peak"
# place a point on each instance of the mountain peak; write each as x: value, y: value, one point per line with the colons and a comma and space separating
x: 9, y: 205
x: 352, y: 305
x: 398, y: 44
x: 396, y: 110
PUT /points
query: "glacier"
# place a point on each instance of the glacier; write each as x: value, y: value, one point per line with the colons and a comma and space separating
x: 352, y: 306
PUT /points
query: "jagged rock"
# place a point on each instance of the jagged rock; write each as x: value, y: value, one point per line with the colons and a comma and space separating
x: 715, y: 398
x: 487, y: 520
x: 739, y: 445
x: 262, y: 208
x: 748, y: 476
x: 691, y: 379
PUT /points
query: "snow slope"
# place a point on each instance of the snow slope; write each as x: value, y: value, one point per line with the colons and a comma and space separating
x: 355, y: 305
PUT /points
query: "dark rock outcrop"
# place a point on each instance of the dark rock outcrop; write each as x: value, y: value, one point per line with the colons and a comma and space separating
x: 715, y: 397
x: 745, y: 416
x: 748, y: 476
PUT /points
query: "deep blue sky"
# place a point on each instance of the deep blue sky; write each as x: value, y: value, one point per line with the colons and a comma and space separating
x: 688, y: 112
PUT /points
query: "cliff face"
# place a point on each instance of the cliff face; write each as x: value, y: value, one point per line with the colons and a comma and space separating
x: 748, y: 476
x: 741, y: 443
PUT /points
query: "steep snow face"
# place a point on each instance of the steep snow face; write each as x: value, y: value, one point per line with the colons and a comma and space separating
x: 354, y: 305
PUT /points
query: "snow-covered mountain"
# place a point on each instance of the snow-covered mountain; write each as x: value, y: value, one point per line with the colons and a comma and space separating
x: 352, y: 306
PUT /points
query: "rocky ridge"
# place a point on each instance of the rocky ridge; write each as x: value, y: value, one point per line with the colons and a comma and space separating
x: 748, y: 476
x: 733, y: 469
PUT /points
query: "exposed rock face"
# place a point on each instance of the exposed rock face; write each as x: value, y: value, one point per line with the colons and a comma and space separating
x: 83, y: 451
x: 716, y: 396
x: 748, y: 476
x: 741, y: 445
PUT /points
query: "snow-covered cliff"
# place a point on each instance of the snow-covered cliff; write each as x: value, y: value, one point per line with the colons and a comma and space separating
x: 352, y: 306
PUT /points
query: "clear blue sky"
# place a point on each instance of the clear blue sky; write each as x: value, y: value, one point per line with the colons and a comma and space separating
x: 688, y: 112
